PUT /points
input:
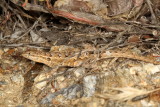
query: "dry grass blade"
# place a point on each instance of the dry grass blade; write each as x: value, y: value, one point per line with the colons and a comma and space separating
x: 127, y: 93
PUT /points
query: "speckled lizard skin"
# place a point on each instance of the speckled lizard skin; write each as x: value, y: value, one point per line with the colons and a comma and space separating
x: 74, y: 57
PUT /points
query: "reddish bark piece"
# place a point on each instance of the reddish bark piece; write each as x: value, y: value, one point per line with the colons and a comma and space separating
x: 89, y: 21
x: 146, y: 37
x: 73, y: 17
x: 134, y: 38
x: 96, y: 12
x: 24, y: 4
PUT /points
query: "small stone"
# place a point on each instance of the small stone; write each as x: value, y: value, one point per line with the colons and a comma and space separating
x: 80, y: 71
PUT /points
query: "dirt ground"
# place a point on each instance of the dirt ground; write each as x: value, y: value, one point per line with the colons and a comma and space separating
x: 73, y: 54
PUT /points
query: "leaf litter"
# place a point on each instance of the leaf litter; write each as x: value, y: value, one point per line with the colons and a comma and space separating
x: 80, y: 53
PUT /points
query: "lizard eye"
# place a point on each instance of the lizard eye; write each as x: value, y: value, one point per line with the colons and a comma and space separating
x: 29, y: 53
x: 48, y: 59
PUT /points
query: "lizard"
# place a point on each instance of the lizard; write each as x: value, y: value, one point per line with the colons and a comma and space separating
x: 74, y: 57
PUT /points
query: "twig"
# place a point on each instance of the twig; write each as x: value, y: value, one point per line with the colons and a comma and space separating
x: 89, y: 37
x: 35, y: 23
x: 33, y: 45
x: 19, y: 17
x: 119, y: 35
x: 154, y: 19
